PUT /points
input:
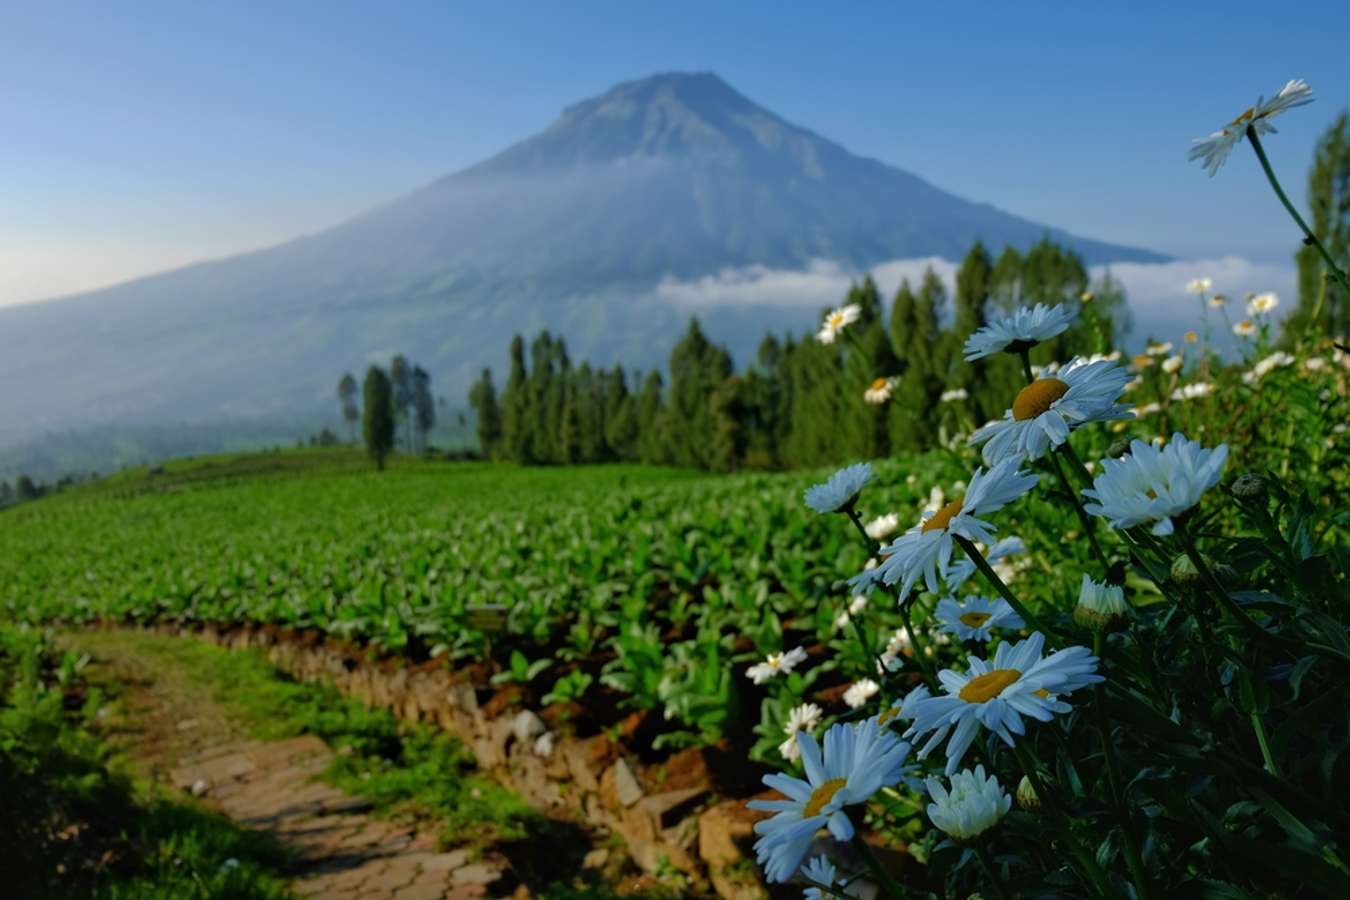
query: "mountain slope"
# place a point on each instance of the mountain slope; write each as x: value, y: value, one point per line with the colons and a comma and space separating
x: 675, y: 175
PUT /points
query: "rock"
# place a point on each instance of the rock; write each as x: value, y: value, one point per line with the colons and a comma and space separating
x: 585, y: 760
x: 477, y: 873
x: 527, y: 726
x: 200, y: 787
x: 668, y: 808
x: 626, y: 787
x: 595, y: 859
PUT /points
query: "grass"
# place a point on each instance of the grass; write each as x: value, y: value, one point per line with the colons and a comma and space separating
x: 72, y: 825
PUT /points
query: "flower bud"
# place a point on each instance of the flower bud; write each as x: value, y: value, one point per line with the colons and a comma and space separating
x: 1026, y: 794
x: 1249, y: 487
x: 1183, y: 570
x: 1100, y: 606
x: 1118, y: 448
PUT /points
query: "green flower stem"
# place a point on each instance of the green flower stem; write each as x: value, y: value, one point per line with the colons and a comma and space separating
x: 853, y: 516
x: 1089, y: 527
x: 1216, y: 587
x: 987, y: 864
x: 920, y: 649
x: 1076, y: 464
x: 992, y: 577
x: 830, y: 890
x: 1259, y: 727
x: 1089, y: 870
x: 1333, y: 269
x: 872, y: 546
x: 1132, y: 858
x: 1025, y: 354
x: 884, y: 879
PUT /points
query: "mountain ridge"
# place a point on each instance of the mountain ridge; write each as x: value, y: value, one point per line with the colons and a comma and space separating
x: 676, y: 175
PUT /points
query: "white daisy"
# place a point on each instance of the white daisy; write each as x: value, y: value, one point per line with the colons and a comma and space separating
x: 1024, y: 327
x: 974, y: 618
x: 821, y: 871
x: 882, y: 526
x: 1263, y: 368
x: 858, y: 761
x: 1245, y: 328
x: 880, y: 391
x: 804, y: 717
x: 776, y: 664
x: 1100, y: 605
x: 953, y: 395
x: 1151, y: 485
x: 972, y: 806
x: 1199, y: 286
x: 1214, y: 149
x: 1191, y: 337
x: 928, y: 545
x: 839, y: 492
x: 1193, y: 391
x: 1217, y: 300
x: 1173, y: 364
x: 996, y: 694
x: 1148, y: 409
x: 1159, y: 349
x: 860, y: 692
x: 1045, y: 411
x: 836, y: 321
x: 1262, y: 304
x: 1315, y: 363
x: 958, y: 571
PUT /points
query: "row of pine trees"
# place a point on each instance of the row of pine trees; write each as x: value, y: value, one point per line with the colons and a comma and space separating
x: 800, y: 402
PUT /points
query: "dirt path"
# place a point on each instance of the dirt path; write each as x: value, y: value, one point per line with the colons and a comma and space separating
x: 172, y: 731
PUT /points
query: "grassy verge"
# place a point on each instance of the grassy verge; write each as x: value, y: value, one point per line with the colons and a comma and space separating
x: 72, y: 827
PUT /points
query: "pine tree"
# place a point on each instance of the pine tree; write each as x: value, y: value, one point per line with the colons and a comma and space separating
x: 653, y: 422
x: 351, y: 413
x: 1329, y: 218
x: 483, y: 399
x: 378, y: 424
x: 515, y: 406
x: 697, y: 368
x: 400, y: 377
x: 423, y: 406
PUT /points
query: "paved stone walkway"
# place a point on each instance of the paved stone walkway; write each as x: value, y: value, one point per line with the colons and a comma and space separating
x: 342, y: 852
x: 173, y: 731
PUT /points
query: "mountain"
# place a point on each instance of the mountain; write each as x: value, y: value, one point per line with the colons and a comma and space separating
x: 672, y: 176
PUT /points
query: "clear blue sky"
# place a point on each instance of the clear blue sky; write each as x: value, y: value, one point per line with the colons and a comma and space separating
x: 138, y: 136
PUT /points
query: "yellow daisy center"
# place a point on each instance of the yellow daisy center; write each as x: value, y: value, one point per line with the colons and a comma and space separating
x: 835, y: 320
x: 878, y: 384
x: 1042, y: 693
x: 1036, y: 398
x: 822, y: 796
x: 943, y: 517
x: 1245, y: 117
x: 986, y: 687
x: 888, y: 714
x: 975, y: 619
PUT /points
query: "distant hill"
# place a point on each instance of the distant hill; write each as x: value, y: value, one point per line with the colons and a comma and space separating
x: 676, y: 175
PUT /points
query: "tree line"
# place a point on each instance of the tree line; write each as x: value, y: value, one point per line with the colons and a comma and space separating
x: 797, y: 403
x: 400, y: 396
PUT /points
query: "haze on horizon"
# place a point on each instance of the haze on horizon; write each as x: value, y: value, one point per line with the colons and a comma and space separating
x: 163, y: 138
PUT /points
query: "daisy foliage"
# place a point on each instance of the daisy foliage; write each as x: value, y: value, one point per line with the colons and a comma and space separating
x: 1019, y: 330
x: 839, y: 492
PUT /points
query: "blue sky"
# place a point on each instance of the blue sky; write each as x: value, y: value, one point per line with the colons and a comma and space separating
x: 135, y: 137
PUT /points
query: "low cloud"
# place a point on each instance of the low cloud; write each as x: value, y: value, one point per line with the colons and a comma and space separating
x: 1157, y: 293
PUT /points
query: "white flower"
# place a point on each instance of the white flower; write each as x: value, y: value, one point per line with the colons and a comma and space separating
x: 1214, y: 150
x: 928, y: 545
x: 776, y: 664
x: 882, y: 526
x: 1100, y: 604
x: 972, y: 806
x: 1217, y: 300
x: 543, y: 745
x: 1315, y: 363
x: 1245, y: 328
x: 804, y: 717
x: 1199, y: 285
x: 1159, y: 349
x: 996, y: 694
x: 1262, y: 304
x: 1024, y: 327
x: 880, y: 391
x: 1045, y: 411
x: 1149, y: 409
x: 1263, y: 368
x: 1193, y: 391
x: 840, y: 490
x: 953, y: 395
x: 1172, y: 364
x: 974, y: 618
x: 860, y: 692
x: 836, y: 321
x: 1152, y: 485
x: 821, y: 871
x: 858, y: 761
x: 959, y: 570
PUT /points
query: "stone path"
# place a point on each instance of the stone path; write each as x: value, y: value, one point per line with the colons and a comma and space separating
x: 342, y: 852
x: 172, y: 731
